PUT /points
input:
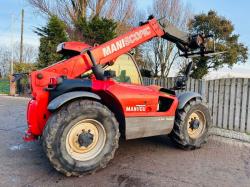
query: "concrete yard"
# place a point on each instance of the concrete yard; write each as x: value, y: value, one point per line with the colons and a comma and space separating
x: 142, y: 162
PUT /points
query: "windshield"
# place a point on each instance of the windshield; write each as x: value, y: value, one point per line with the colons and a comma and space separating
x: 125, y: 68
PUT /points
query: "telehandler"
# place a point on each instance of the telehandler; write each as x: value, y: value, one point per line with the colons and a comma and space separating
x: 80, y: 118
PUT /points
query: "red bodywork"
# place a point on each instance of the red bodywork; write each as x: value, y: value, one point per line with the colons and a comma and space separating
x: 120, y: 94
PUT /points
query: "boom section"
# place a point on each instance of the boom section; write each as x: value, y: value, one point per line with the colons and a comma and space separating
x: 114, y: 48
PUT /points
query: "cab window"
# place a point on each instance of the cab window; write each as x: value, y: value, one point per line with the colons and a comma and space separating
x: 126, y: 70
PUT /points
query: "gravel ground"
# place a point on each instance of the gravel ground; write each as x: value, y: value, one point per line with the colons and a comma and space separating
x: 142, y: 162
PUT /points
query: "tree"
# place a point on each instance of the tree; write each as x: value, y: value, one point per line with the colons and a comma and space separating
x: 9, y: 53
x: 225, y: 39
x: 30, y: 53
x: 24, y: 67
x: 51, y: 35
x: 97, y: 30
x: 69, y: 11
x: 161, y: 53
x: 5, y: 59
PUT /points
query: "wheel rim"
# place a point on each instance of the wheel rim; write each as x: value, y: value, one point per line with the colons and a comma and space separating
x: 85, y: 139
x: 196, y: 124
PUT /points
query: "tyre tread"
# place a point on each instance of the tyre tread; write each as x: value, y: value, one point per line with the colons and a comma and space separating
x: 178, y: 134
x: 53, y: 124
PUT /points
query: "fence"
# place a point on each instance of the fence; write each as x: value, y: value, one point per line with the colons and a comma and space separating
x: 228, y: 99
x: 4, y: 86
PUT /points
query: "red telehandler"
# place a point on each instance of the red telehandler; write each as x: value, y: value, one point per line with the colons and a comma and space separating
x: 80, y: 119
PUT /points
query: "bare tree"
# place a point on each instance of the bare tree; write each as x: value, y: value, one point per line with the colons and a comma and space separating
x: 159, y: 52
x: 5, y: 59
x: 30, y: 53
x: 29, y: 56
x: 123, y: 11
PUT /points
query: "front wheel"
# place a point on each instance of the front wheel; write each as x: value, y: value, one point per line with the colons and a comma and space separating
x: 81, y: 137
x: 191, y: 125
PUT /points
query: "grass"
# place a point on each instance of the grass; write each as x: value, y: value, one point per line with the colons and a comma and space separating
x: 4, y: 86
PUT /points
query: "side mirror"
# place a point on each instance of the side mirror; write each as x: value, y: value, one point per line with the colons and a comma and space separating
x: 180, y: 82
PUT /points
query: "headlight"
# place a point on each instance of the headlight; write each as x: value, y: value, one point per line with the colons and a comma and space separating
x: 60, y: 47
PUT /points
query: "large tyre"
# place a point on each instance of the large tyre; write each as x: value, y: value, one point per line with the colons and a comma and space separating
x: 81, y: 137
x: 191, y: 125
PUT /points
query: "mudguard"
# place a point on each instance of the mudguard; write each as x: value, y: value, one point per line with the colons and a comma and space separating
x: 62, y: 99
x: 185, y: 97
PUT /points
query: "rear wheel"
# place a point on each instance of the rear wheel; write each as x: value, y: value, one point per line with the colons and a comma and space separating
x: 81, y: 137
x: 191, y: 125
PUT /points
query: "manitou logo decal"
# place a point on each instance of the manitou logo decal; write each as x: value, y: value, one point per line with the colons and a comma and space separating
x: 130, y: 39
x: 136, y: 108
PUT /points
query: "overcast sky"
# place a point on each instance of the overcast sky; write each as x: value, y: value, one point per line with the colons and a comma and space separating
x: 237, y: 11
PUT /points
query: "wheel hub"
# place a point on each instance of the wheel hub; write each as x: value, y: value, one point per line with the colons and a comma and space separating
x: 85, y: 139
x: 196, y: 124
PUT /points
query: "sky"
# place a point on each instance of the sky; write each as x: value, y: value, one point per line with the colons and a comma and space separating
x: 10, y: 22
x: 236, y: 11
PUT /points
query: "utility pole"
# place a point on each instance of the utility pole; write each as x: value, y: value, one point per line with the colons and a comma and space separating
x: 12, y: 45
x: 12, y: 84
x: 21, y: 43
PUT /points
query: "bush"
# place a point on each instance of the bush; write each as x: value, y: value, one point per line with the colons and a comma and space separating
x: 4, y: 86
